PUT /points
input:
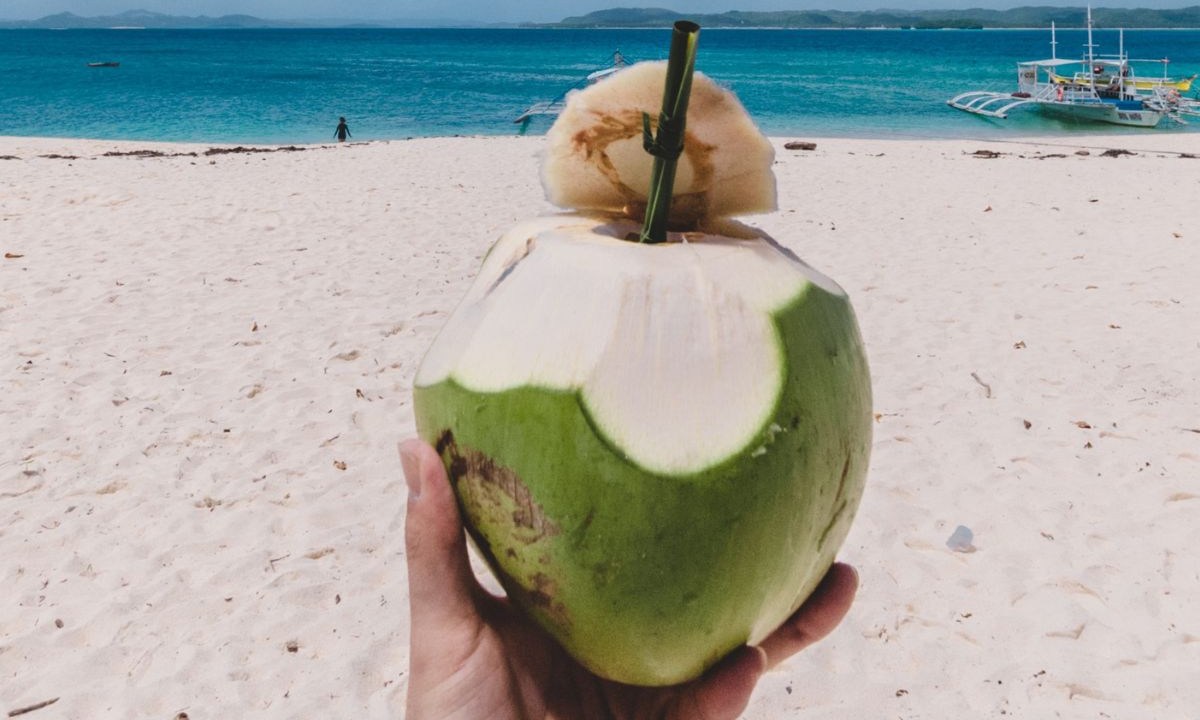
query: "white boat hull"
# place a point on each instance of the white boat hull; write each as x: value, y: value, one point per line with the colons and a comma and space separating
x: 1101, y: 112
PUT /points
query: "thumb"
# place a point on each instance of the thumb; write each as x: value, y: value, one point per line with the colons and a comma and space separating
x: 724, y: 691
x: 441, y: 585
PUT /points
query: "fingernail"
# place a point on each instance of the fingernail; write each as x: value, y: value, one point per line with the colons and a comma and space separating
x: 412, y: 467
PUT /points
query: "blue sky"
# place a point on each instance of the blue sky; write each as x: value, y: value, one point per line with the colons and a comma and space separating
x: 490, y: 10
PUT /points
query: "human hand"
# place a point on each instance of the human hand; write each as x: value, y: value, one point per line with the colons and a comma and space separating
x: 475, y: 656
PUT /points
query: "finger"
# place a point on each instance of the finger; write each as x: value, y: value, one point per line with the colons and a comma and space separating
x: 819, y: 615
x: 724, y: 691
x: 441, y: 585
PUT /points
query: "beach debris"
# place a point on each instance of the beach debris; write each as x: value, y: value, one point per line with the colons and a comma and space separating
x: 988, y: 208
x: 56, y: 156
x: 9, y: 157
x: 800, y: 145
x: 145, y: 153
x: 986, y: 154
x: 1048, y: 156
x: 1186, y: 156
x: 1083, y: 153
x: 1116, y: 152
x: 339, y: 464
x: 1083, y: 424
x: 1019, y: 345
x: 1177, y: 234
x: 987, y: 388
x: 12, y: 256
x: 961, y: 540
x: 292, y: 646
x: 240, y: 150
x: 1072, y: 634
x: 208, y: 502
x: 31, y: 708
x: 182, y: 716
x: 1027, y: 424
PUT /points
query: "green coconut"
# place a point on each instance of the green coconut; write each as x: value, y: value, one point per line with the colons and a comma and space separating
x: 657, y: 448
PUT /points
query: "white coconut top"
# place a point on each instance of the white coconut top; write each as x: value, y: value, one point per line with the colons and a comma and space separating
x: 595, y: 159
x: 565, y: 303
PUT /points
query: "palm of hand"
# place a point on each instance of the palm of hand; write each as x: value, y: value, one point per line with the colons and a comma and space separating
x: 473, y: 655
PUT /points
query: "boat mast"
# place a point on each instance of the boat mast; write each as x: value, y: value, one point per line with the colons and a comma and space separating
x: 1122, y: 68
x: 1091, y: 50
x: 1053, y: 56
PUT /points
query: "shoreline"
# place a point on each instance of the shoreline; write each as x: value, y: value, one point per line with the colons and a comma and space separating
x: 210, y: 362
x: 1150, y: 142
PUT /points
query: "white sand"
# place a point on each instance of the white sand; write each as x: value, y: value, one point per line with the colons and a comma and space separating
x: 206, y: 362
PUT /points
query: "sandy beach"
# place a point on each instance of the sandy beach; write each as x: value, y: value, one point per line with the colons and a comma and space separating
x: 206, y: 362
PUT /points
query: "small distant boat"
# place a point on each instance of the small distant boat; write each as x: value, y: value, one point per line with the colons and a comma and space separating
x: 104, y: 64
x: 555, y: 106
x: 1103, y: 89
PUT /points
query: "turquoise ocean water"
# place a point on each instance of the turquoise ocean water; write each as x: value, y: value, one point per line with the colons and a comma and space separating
x: 290, y: 86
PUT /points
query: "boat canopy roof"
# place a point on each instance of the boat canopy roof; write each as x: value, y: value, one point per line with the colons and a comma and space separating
x: 1054, y: 62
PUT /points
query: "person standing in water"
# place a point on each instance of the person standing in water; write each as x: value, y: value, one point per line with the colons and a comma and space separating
x: 343, y: 130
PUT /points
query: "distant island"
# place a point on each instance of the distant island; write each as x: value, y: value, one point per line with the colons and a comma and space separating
x: 973, y: 19
x: 158, y: 21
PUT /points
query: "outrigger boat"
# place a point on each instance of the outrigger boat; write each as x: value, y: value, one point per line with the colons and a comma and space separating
x: 1104, y: 89
x: 555, y: 106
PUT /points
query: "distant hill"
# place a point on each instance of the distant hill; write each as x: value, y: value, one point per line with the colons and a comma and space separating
x: 147, y: 19
x: 1022, y: 17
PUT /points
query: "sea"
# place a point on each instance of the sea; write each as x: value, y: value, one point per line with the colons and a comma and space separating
x: 291, y: 85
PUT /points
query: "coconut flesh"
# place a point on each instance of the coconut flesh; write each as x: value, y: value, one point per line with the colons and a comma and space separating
x: 658, y: 449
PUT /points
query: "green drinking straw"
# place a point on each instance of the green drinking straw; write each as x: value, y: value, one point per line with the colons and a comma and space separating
x: 667, y: 146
